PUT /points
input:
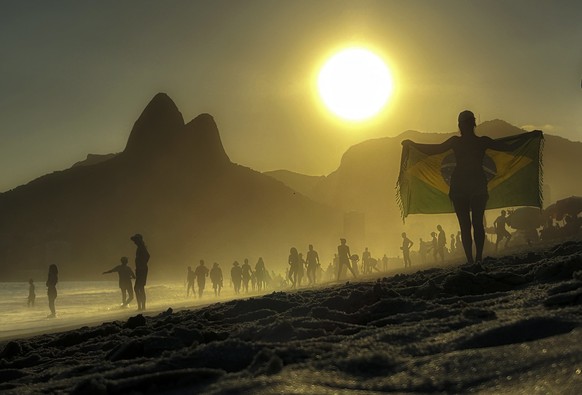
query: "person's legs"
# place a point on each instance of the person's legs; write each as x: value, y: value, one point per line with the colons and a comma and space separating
x: 477, y: 213
x: 123, y: 296
x: 462, y: 209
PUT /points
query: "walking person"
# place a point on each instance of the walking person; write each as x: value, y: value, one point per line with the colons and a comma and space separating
x: 343, y: 254
x: 216, y: 278
x: 312, y: 264
x: 190, y: 282
x: 142, y: 257
x: 201, y: 273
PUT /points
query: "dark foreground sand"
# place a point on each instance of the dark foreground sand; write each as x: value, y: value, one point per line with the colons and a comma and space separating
x: 511, y: 325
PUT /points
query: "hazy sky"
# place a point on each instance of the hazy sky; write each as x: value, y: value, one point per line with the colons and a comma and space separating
x: 75, y: 75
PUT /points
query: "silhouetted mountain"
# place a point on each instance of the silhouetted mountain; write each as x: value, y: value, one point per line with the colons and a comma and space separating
x: 175, y: 184
x: 366, y: 178
x: 93, y: 159
x: 306, y: 185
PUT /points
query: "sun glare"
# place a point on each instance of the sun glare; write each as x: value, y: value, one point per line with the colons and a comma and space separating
x: 355, y: 84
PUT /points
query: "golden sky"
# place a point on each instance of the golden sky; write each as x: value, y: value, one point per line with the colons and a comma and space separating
x: 74, y: 77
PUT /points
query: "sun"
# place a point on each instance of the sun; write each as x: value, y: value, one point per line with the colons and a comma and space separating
x: 355, y: 84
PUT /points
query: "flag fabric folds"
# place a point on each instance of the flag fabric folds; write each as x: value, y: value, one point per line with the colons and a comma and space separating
x: 514, y: 177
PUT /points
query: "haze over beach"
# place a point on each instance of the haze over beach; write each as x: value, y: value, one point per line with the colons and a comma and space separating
x: 221, y: 153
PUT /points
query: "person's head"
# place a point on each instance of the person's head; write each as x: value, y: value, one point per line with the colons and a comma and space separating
x: 235, y: 263
x: 293, y: 251
x: 343, y: 241
x: 137, y: 238
x: 124, y: 260
x: 215, y: 264
x: 366, y: 249
x: 310, y: 247
x: 246, y: 260
x: 53, y: 269
x: 201, y: 262
x: 439, y: 228
x: 433, y: 234
x: 467, y: 122
x: 189, y: 268
x: 403, y: 235
x: 503, y: 212
x: 30, y: 281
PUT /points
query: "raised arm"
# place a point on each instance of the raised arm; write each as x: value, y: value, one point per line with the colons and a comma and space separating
x: 431, y: 149
x: 506, y: 144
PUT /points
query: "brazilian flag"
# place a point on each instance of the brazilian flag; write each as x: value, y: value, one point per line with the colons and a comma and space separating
x: 514, y: 178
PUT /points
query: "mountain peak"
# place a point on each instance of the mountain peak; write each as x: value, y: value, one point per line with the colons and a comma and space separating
x: 159, y: 122
x: 202, y: 140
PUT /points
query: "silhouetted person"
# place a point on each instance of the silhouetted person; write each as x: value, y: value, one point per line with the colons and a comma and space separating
x: 453, y: 248
x: 261, y: 273
x: 246, y: 275
x: 293, y: 266
x: 459, y: 243
x: 343, y: 256
x: 236, y: 276
x: 406, y: 245
x: 312, y: 264
x: 142, y: 257
x: 441, y: 243
x: 500, y: 230
x: 300, y: 269
x: 125, y: 275
x: 385, y: 263
x: 190, y: 281
x: 216, y: 278
x: 468, y: 189
x: 201, y: 272
x: 434, y: 246
x: 366, y: 255
x: 51, y: 283
x: 31, y: 293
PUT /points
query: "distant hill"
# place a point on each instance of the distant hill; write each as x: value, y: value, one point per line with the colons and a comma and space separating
x: 175, y: 184
x: 366, y: 178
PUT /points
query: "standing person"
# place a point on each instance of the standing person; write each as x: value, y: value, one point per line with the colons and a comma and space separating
x: 125, y: 275
x: 51, y: 283
x: 385, y: 263
x: 453, y: 244
x: 442, y: 243
x: 236, y: 276
x: 500, y: 230
x: 201, y: 273
x: 246, y: 275
x: 31, y: 293
x: 142, y: 257
x: 434, y: 245
x: 300, y: 269
x: 261, y: 273
x: 190, y: 282
x: 468, y: 186
x: 406, y: 245
x: 312, y: 264
x: 216, y: 278
x: 344, y: 255
x: 293, y: 266
x: 366, y: 256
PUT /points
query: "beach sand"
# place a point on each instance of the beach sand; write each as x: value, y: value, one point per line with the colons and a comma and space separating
x: 510, y: 325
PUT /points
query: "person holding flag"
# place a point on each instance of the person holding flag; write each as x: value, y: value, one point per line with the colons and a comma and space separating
x: 469, y: 186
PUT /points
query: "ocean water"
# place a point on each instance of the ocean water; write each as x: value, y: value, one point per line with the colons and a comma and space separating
x: 81, y: 302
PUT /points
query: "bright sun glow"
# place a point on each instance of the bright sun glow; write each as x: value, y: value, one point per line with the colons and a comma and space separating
x: 355, y: 84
